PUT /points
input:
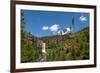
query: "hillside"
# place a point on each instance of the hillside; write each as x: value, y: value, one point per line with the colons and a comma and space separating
x: 68, y: 47
x: 73, y: 46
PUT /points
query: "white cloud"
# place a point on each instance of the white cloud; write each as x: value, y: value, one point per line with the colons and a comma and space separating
x: 68, y: 29
x: 83, y: 18
x: 54, y: 28
x: 59, y: 32
x: 45, y: 28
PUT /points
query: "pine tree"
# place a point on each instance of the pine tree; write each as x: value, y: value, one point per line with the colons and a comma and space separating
x: 73, y: 24
x: 26, y: 46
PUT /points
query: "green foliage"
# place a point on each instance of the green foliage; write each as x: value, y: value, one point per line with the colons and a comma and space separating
x: 26, y: 52
x: 29, y: 51
x: 66, y: 48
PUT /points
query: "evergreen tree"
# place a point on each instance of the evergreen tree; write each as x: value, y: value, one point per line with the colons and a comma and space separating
x: 72, y: 24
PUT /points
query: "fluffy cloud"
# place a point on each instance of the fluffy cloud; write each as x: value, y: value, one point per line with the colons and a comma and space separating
x: 59, y: 32
x: 83, y: 18
x: 45, y: 28
x: 68, y: 29
x: 54, y: 28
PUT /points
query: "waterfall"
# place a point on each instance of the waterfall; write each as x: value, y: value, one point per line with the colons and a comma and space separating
x: 44, y: 52
x: 43, y: 47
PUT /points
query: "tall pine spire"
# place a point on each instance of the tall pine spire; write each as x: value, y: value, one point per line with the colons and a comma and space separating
x: 72, y: 24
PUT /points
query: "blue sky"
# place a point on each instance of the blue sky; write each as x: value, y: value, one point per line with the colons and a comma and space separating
x: 47, y: 23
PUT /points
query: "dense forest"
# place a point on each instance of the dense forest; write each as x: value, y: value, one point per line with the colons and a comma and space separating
x: 72, y: 46
x: 68, y: 47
